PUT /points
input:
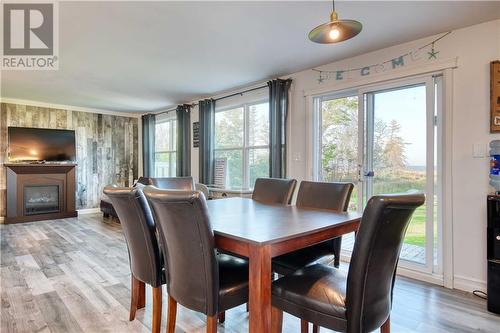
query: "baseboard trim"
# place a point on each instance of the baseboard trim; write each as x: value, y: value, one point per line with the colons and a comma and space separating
x: 88, y: 211
x: 468, y: 284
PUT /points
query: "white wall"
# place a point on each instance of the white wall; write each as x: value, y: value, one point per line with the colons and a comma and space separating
x: 475, y: 47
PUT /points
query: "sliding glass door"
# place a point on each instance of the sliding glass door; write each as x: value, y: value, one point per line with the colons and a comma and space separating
x: 399, y: 144
x: 383, y: 139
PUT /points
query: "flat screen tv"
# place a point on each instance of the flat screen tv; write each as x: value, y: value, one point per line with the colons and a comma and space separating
x: 41, y: 144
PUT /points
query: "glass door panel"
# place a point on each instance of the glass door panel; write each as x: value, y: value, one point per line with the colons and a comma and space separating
x: 338, y: 154
x: 339, y: 143
x: 400, y: 157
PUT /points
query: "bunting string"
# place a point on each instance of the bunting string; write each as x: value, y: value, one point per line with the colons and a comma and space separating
x: 399, y: 61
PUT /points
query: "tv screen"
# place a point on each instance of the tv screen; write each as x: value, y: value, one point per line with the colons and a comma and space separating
x: 40, y: 144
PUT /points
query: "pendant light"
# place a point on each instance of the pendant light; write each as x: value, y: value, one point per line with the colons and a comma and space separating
x: 336, y: 30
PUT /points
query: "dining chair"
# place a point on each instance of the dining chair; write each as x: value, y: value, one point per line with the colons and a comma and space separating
x: 316, y: 195
x: 174, y: 183
x: 274, y: 190
x: 197, y: 277
x: 144, y: 254
x: 361, y: 300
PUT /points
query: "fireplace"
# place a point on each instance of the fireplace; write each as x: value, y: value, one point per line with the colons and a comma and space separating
x: 40, y: 192
x: 41, y: 199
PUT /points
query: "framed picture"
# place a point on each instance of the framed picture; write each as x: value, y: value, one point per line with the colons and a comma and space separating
x: 196, y: 134
x: 495, y: 96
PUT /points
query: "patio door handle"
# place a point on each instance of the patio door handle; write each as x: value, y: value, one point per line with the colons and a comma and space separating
x: 369, y: 174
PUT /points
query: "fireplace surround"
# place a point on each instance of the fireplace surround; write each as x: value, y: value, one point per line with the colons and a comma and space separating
x: 40, y: 192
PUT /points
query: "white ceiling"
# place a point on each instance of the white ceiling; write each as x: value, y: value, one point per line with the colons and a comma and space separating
x: 143, y: 56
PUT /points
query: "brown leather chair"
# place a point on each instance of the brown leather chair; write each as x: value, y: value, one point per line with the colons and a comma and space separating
x: 174, y: 183
x: 145, y: 260
x: 361, y: 300
x: 144, y: 181
x: 331, y: 196
x: 197, y: 277
x: 274, y: 190
x: 106, y: 206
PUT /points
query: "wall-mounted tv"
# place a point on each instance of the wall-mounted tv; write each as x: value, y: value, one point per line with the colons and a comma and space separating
x: 41, y: 144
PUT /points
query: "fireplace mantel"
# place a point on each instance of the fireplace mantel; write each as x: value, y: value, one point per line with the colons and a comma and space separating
x: 24, y: 176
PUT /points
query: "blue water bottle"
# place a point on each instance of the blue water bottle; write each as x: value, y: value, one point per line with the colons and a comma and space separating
x: 495, y: 165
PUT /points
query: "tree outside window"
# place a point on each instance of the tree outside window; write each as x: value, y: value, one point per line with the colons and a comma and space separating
x: 242, y: 137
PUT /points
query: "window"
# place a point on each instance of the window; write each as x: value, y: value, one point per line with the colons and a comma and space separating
x: 165, y: 147
x: 242, y: 137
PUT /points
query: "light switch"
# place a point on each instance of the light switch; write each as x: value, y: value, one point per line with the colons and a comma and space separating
x: 479, y: 150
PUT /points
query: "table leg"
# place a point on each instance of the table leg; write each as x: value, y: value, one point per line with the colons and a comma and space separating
x: 260, y: 289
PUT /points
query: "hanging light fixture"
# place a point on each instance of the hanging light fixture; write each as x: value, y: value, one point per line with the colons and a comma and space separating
x: 336, y: 30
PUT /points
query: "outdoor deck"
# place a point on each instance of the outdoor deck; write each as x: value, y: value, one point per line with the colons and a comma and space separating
x: 409, y: 252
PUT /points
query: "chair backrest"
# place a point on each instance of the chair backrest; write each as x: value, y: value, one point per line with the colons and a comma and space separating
x: 333, y: 196
x: 140, y: 232
x: 202, y: 188
x: 187, y: 241
x: 274, y: 190
x: 375, y: 257
x: 174, y: 183
x: 144, y: 181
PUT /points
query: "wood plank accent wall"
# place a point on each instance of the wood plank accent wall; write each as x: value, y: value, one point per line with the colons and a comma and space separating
x: 106, y: 147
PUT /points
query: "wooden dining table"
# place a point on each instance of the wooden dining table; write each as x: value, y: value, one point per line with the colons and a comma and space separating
x: 260, y: 232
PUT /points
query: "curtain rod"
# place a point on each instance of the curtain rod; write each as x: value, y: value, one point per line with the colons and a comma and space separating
x: 241, y: 92
x: 220, y: 98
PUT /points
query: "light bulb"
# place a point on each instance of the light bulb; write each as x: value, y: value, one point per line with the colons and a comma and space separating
x: 334, y: 33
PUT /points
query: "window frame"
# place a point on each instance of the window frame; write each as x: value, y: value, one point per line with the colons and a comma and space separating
x: 172, y: 149
x: 246, y: 148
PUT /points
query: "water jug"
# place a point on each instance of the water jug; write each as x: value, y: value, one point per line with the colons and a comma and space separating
x: 495, y: 164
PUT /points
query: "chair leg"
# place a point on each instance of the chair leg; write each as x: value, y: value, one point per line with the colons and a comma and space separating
x: 141, y: 303
x: 212, y: 324
x: 386, y: 327
x: 304, y: 326
x: 276, y: 320
x: 337, y: 245
x: 138, y: 298
x: 222, y: 317
x: 157, y: 307
x: 315, y: 328
x: 172, y: 314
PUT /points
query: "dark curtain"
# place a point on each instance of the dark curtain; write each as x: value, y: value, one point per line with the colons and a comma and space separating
x: 183, y: 140
x: 278, y: 108
x: 148, y: 144
x: 207, y: 123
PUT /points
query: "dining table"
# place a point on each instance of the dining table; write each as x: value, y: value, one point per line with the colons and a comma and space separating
x: 260, y: 232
